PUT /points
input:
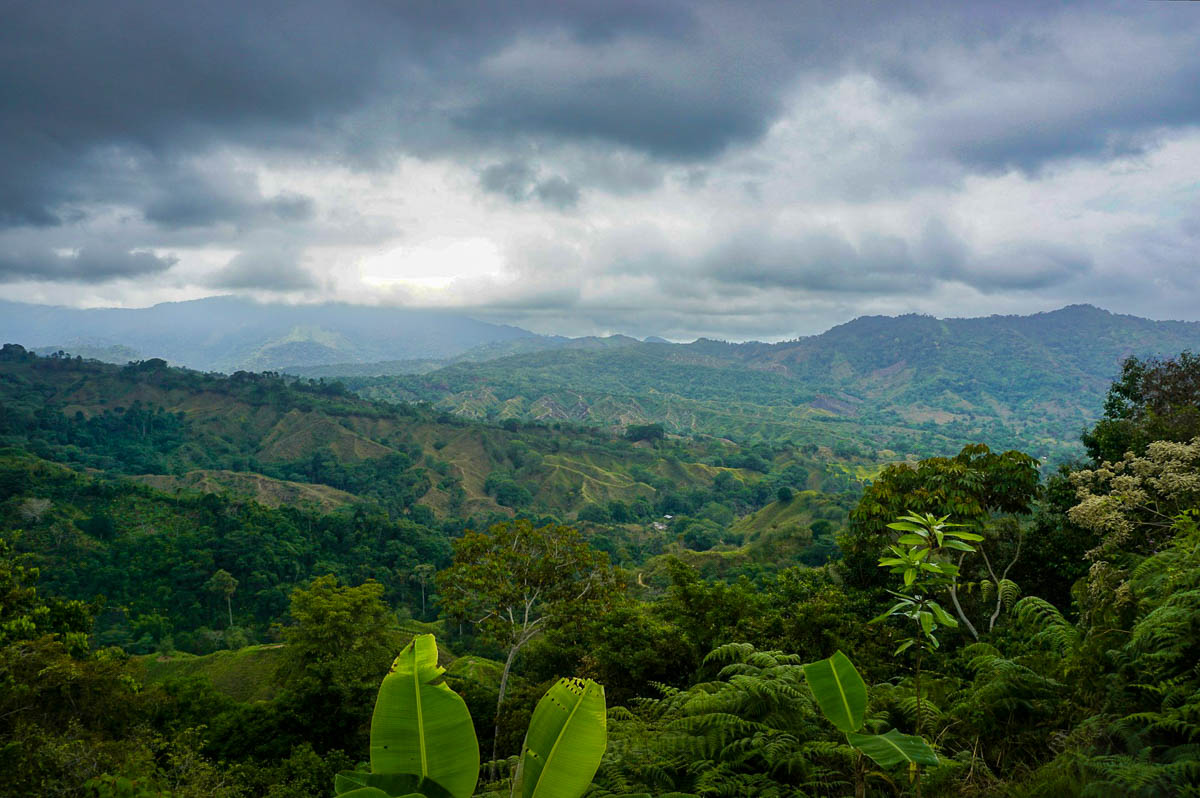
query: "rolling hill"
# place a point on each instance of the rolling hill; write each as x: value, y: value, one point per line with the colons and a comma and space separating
x: 874, y: 386
x: 288, y: 442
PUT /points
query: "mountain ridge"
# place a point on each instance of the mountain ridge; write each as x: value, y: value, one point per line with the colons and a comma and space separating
x: 233, y: 334
x: 913, y: 383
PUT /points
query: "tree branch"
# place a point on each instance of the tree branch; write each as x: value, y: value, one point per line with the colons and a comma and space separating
x: 962, y: 616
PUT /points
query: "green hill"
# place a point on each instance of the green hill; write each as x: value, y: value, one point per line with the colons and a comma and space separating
x: 281, y: 441
x: 246, y: 674
x: 910, y: 385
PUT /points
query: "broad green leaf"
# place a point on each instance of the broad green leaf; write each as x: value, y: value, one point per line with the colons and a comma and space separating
x: 840, y: 691
x: 891, y: 612
x: 392, y: 784
x: 926, y: 619
x: 894, y: 748
x: 369, y: 792
x: 943, y: 617
x: 966, y: 535
x: 903, y: 526
x: 421, y: 727
x: 564, y: 743
x: 957, y: 545
x: 904, y: 646
x: 911, y: 540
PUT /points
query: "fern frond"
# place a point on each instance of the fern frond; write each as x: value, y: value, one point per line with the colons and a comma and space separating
x: 1052, y: 629
x: 1009, y: 593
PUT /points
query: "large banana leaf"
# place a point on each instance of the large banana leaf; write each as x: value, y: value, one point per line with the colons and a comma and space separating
x: 352, y: 783
x: 840, y: 691
x: 564, y: 743
x: 894, y: 748
x: 421, y: 727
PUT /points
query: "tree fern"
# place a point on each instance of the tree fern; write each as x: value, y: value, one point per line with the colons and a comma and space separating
x: 752, y: 730
x: 1052, y: 630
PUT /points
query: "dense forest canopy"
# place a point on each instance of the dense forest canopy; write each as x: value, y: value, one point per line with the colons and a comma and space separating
x: 204, y: 579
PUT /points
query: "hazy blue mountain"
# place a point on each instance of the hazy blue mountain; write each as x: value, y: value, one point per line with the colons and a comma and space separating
x: 493, y: 350
x: 229, y: 334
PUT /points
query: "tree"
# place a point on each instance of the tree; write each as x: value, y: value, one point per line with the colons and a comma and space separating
x: 421, y: 574
x: 338, y: 649
x: 920, y: 558
x: 515, y: 580
x: 645, y: 432
x: 1134, y: 501
x: 1153, y: 400
x: 968, y: 487
x: 222, y: 583
x: 26, y: 615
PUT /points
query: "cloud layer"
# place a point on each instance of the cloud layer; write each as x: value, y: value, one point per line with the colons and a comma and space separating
x: 740, y: 170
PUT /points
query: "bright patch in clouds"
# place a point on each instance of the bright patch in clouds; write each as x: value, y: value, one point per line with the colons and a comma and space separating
x: 434, y: 266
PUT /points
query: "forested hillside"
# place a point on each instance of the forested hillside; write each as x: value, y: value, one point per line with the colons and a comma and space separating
x: 204, y: 579
x: 192, y: 428
x: 910, y: 384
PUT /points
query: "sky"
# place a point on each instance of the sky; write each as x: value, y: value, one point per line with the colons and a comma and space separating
x: 749, y: 170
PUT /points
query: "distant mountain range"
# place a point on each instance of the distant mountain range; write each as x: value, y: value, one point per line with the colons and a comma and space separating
x: 909, y: 384
x: 229, y: 334
x: 876, y: 385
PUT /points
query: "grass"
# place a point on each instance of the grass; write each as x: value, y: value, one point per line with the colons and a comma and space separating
x: 778, y: 517
x: 247, y: 674
x: 264, y: 490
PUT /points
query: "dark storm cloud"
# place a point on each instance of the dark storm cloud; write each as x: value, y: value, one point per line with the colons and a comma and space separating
x: 674, y: 80
x: 185, y: 198
x: 87, y: 265
x: 155, y: 82
x: 158, y: 112
x: 1025, y: 266
x: 519, y: 181
x: 1090, y: 86
x: 827, y: 262
x: 681, y: 118
x: 822, y: 261
x: 512, y: 179
x: 558, y: 192
x: 269, y: 270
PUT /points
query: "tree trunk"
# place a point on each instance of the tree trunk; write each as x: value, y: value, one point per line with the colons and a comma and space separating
x: 229, y: 606
x: 962, y: 616
x: 512, y: 654
x: 917, y: 685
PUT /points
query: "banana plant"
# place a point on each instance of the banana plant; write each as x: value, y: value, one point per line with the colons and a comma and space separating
x: 422, y: 740
x: 423, y: 743
x: 841, y: 694
x: 564, y: 743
